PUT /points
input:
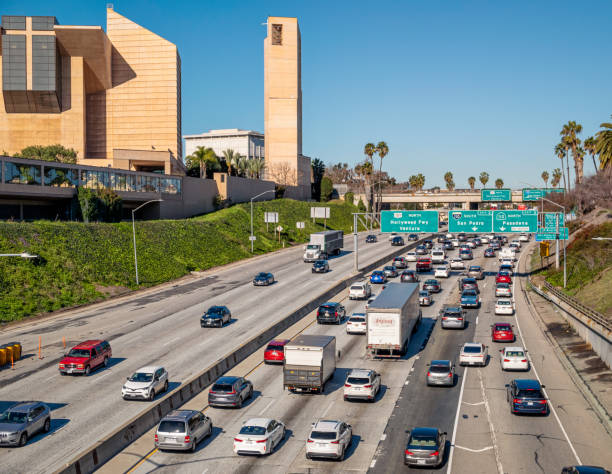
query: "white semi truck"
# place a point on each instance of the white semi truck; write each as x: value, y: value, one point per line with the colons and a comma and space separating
x: 310, y: 361
x: 392, y: 318
x: 323, y: 244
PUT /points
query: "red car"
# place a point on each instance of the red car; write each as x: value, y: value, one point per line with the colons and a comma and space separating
x: 275, y: 352
x: 85, y: 357
x: 502, y: 332
x: 423, y: 264
x: 503, y: 277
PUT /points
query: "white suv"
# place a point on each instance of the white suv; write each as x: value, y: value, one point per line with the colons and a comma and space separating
x: 356, y: 324
x: 360, y: 290
x: 524, y: 237
x: 363, y: 384
x: 438, y: 256
x: 329, y: 439
x: 145, y: 383
x: 514, y: 358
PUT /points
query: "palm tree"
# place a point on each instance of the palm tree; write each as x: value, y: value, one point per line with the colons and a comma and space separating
x: 484, y: 178
x: 448, y: 179
x: 604, y: 145
x: 499, y: 183
x: 420, y: 181
x: 556, y: 177
x: 369, y: 150
x: 545, y: 177
x: 589, y: 146
x: 472, y: 182
x: 561, y: 152
x: 231, y: 158
x: 382, y: 149
x: 205, y: 158
x: 569, y: 133
x: 242, y: 165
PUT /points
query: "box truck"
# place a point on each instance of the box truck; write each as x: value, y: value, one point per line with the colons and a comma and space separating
x: 392, y: 318
x: 310, y: 361
x: 323, y: 244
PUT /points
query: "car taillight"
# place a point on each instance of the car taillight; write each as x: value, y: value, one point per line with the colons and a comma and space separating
x: 336, y: 313
x: 238, y: 439
x: 367, y: 386
x: 336, y: 442
x: 542, y: 402
x: 233, y: 392
x: 506, y: 360
x: 428, y: 373
x: 261, y: 440
x: 347, y: 385
x: 459, y: 319
x: 523, y: 360
x: 310, y: 441
x: 435, y: 453
x: 61, y: 366
x: 516, y: 400
x: 156, y: 439
x: 450, y: 374
x: 409, y: 453
x: 444, y: 318
x: 187, y: 439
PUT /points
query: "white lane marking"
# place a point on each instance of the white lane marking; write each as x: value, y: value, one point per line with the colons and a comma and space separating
x: 104, y: 375
x: 171, y: 341
x: 476, y: 320
x: 500, y: 468
x: 552, y: 408
x: 474, y: 404
x: 383, y: 437
x: 474, y: 450
x: 267, y: 406
x: 452, y: 447
x: 327, y: 409
x: 373, y: 463
x: 484, y: 286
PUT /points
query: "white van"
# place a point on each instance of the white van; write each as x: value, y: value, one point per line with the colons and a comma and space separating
x: 438, y: 256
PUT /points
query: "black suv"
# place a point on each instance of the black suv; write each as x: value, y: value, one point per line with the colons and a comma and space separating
x: 370, y: 239
x: 413, y: 237
x: 320, y: 266
x: 216, y: 316
x: 397, y: 241
x: 330, y: 313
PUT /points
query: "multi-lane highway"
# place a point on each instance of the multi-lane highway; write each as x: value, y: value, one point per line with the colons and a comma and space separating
x: 161, y: 327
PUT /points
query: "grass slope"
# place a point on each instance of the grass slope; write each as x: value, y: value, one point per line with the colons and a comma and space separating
x: 84, y: 263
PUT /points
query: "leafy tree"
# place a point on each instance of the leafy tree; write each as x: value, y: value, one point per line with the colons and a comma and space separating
x: 318, y: 170
x: 349, y: 197
x: 327, y: 189
x: 339, y: 173
x: 110, y: 206
x: 545, y: 177
x: 472, y: 182
x: 556, y: 177
x: 589, y: 146
x: 561, y: 153
x: 569, y: 134
x: 361, y: 207
x: 484, y: 178
x: 56, y: 153
x: 499, y: 183
x: 89, y: 203
x: 604, y: 145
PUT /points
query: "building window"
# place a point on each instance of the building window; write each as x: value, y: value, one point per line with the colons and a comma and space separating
x: 61, y: 177
x: 277, y: 34
x: 17, y: 173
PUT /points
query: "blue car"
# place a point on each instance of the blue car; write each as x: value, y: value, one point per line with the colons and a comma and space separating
x: 470, y: 299
x: 526, y: 396
x: 378, y: 277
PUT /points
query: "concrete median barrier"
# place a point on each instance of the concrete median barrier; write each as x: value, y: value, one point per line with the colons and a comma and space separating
x: 99, y: 453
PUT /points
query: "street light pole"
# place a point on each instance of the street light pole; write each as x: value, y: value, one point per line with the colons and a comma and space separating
x: 260, y: 194
x: 134, y: 235
x: 557, y: 241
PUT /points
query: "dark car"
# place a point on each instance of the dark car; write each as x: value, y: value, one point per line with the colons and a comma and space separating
x: 421, y: 250
x: 320, y: 266
x: 428, y: 244
x: 489, y: 252
x: 448, y: 245
x: 584, y: 470
x: 331, y: 312
x: 230, y: 392
x: 400, y: 262
x: 263, y: 279
x: 216, y: 316
x: 371, y: 239
x: 477, y: 241
x: 441, y: 238
x: 409, y: 276
x: 468, y: 284
x: 413, y: 237
x: 470, y: 299
x: 425, y: 447
x: 526, y: 396
x: 397, y: 241
x: 462, y: 238
x: 433, y: 286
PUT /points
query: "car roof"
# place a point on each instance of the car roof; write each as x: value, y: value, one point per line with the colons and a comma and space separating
x: 24, y: 406
x: 361, y: 315
x: 422, y: 431
x: 227, y: 379
x: 527, y: 383
x: 330, y: 303
x: 181, y: 415
x: 360, y: 373
x: 263, y: 422
x: 326, y: 425
x: 88, y: 344
x: 440, y: 362
x: 149, y: 368
x: 472, y: 344
x: 514, y: 348
x: 505, y: 325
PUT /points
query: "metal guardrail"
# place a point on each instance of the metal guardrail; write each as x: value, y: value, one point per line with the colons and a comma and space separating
x: 577, y: 305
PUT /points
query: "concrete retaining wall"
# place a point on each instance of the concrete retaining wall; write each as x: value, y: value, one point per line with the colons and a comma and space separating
x: 112, y: 444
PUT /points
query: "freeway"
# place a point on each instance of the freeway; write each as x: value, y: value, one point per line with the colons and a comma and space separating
x: 158, y: 326
x: 483, y: 435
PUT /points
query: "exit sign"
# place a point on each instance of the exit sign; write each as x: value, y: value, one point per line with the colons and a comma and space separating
x: 469, y: 221
x: 495, y: 195
x: 515, y: 221
x: 409, y: 221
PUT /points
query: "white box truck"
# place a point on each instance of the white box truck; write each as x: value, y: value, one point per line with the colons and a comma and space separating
x: 323, y: 244
x: 507, y: 252
x: 310, y: 361
x: 438, y: 255
x: 392, y: 318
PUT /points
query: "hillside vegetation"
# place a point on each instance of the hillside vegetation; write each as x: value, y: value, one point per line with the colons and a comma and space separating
x: 83, y: 263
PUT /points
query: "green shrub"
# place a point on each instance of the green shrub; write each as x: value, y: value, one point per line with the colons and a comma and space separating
x: 327, y: 189
x: 361, y: 207
x: 349, y: 197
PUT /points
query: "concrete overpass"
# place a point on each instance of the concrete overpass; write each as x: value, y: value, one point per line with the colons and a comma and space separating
x: 465, y: 200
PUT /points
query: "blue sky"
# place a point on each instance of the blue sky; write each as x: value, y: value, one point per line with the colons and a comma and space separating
x: 457, y: 85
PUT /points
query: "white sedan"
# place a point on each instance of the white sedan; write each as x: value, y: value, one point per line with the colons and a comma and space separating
x: 504, y: 306
x: 356, y: 324
x: 442, y: 272
x: 473, y: 353
x: 514, y: 358
x: 411, y: 256
x: 484, y: 239
x: 259, y: 436
x: 457, y: 264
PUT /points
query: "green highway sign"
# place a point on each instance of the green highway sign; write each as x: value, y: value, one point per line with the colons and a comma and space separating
x: 409, y: 221
x: 534, y: 194
x: 550, y: 220
x: 548, y: 234
x: 515, y: 221
x: 496, y: 195
x: 470, y: 221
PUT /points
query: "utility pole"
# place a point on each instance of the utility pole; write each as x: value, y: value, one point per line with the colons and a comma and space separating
x: 355, y: 243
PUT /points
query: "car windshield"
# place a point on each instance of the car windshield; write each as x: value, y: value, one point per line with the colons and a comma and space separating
x: 442, y: 269
x: 504, y: 303
x: 431, y: 282
x: 423, y: 293
x: 358, y: 380
x: 78, y: 353
x: 323, y: 435
x: 141, y: 377
x: 222, y: 387
x: 472, y: 349
x: 474, y: 269
x: 515, y: 354
x: 13, y: 417
x: 503, y: 285
x: 320, y: 263
x: 253, y: 430
x: 469, y: 293
x: 529, y: 393
x: 261, y: 275
x: 356, y: 319
x: 439, y: 369
x: 312, y: 247
x: 274, y: 347
x: 171, y: 426
x: 422, y: 442
x: 390, y: 268
x: 357, y: 287
x: 327, y: 307
x: 377, y: 273
x: 501, y: 327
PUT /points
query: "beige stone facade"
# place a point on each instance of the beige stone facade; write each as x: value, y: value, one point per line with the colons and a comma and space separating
x: 283, y: 105
x: 117, y: 101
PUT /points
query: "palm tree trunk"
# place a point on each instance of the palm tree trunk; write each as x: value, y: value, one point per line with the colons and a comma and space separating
x: 569, y: 178
x: 379, y: 203
x: 563, y: 173
x: 594, y: 164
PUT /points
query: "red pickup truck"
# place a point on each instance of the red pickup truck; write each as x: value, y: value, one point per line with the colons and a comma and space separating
x: 423, y: 264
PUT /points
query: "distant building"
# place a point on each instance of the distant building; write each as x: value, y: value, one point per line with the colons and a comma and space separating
x: 114, y: 96
x: 245, y: 142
